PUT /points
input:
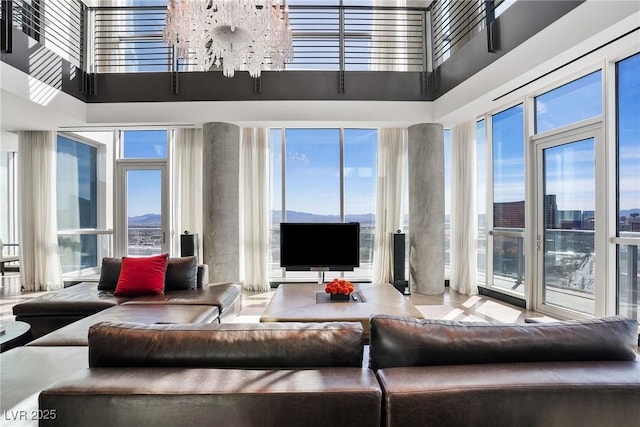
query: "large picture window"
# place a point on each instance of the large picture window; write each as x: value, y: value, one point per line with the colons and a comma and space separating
x: 323, y: 175
x: 508, y: 199
x: 77, y: 204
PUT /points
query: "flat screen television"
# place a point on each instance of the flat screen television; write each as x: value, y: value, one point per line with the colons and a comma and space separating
x: 319, y: 246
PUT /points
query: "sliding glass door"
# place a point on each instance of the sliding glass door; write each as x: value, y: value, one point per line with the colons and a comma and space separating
x: 567, y: 220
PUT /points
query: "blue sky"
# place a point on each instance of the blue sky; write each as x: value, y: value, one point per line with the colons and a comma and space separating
x: 144, y: 186
x: 313, y: 170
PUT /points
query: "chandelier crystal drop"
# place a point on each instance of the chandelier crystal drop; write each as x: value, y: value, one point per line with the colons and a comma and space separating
x: 233, y: 34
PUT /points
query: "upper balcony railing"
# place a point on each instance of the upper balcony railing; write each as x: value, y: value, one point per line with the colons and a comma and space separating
x: 56, y: 24
x: 325, y: 37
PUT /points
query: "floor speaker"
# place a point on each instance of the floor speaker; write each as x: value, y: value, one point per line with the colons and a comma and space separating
x: 188, y: 244
x: 399, y: 280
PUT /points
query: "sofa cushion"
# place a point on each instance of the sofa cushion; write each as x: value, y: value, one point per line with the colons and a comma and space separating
x: 81, y: 299
x: 403, y: 341
x: 253, y: 345
x: 142, y: 276
x: 223, y: 296
x: 109, y: 273
x: 560, y: 394
x: 181, y: 274
x: 76, y: 333
x: 155, y: 397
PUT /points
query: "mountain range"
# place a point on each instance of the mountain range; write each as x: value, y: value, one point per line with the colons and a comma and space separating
x: 154, y: 220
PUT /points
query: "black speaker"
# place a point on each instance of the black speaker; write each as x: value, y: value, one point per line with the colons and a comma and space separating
x: 399, y: 281
x: 188, y: 244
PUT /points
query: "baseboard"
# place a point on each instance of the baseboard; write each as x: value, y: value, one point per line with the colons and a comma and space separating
x: 518, y: 302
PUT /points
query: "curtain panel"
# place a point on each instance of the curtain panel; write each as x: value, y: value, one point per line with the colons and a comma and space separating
x: 254, y: 209
x: 40, y: 268
x: 187, y: 186
x: 463, y: 210
x: 392, y: 149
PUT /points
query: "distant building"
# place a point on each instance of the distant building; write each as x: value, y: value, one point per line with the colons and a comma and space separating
x: 508, y: 215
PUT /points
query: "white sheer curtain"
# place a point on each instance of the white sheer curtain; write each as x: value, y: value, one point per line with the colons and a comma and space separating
x: 39, y: 254
x: 254, y: 209
x: 187, y: 186
x: 463, y: 209
x: 392, y: 148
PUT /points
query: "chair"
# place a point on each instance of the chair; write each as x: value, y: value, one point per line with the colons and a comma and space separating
x: 7, y: 258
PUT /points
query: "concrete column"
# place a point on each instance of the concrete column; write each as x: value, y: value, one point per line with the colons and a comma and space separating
x: 426, y: 208
x: 221, y: 201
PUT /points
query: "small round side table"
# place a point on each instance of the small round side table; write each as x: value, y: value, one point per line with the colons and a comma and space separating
x: 14, y: 334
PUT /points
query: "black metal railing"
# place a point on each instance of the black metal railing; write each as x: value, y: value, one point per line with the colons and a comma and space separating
x: 454, y: 23
x: 324, y: 38
x: 56, y: 24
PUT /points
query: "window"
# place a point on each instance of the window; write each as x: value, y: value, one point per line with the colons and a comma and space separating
x: 323, y: 175
x: 628, y: 186
x: 77, y: 203
x: 9, y: 198
x: 447, y: 202
x: 360, y: 174
x: 142, y: 204
x: 508, y: 199
x: 584, y: 96
x: 481, y: 199
x: 144, y: 144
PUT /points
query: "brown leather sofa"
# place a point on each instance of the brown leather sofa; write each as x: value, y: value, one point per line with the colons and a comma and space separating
x: 415, y: 372
x: 55, y: 310
x: 265, y: 374
x: 444, y: 373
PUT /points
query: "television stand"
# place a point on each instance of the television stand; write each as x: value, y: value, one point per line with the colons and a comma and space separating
x: 320, y: 271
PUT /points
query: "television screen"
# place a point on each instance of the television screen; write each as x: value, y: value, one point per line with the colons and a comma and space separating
x: 309, y: 246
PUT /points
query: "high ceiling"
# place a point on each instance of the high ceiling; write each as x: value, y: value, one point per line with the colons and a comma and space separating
x: 28, y: 104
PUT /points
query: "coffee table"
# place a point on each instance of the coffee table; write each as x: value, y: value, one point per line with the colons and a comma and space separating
x: 14, y: 334
x: 309, y: 303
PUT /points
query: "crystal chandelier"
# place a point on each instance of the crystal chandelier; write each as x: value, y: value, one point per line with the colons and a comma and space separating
x: 231, y: 33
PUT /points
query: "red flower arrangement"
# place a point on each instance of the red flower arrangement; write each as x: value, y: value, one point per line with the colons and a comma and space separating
x: 339, y: 287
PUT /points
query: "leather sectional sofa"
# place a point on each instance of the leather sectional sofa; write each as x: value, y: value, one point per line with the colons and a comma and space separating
x: 188, y: 298
x: 566, y: 374
x: 415, y: 372
x: 262, y: 374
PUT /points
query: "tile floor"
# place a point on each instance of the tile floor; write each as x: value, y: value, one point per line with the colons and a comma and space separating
x: 450, y: 305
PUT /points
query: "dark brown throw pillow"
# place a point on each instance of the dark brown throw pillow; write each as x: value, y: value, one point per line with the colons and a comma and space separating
x: 182, y: 273
x: 109, y: 274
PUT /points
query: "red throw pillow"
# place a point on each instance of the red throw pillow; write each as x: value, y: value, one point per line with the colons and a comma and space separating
x: 142, y: 276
